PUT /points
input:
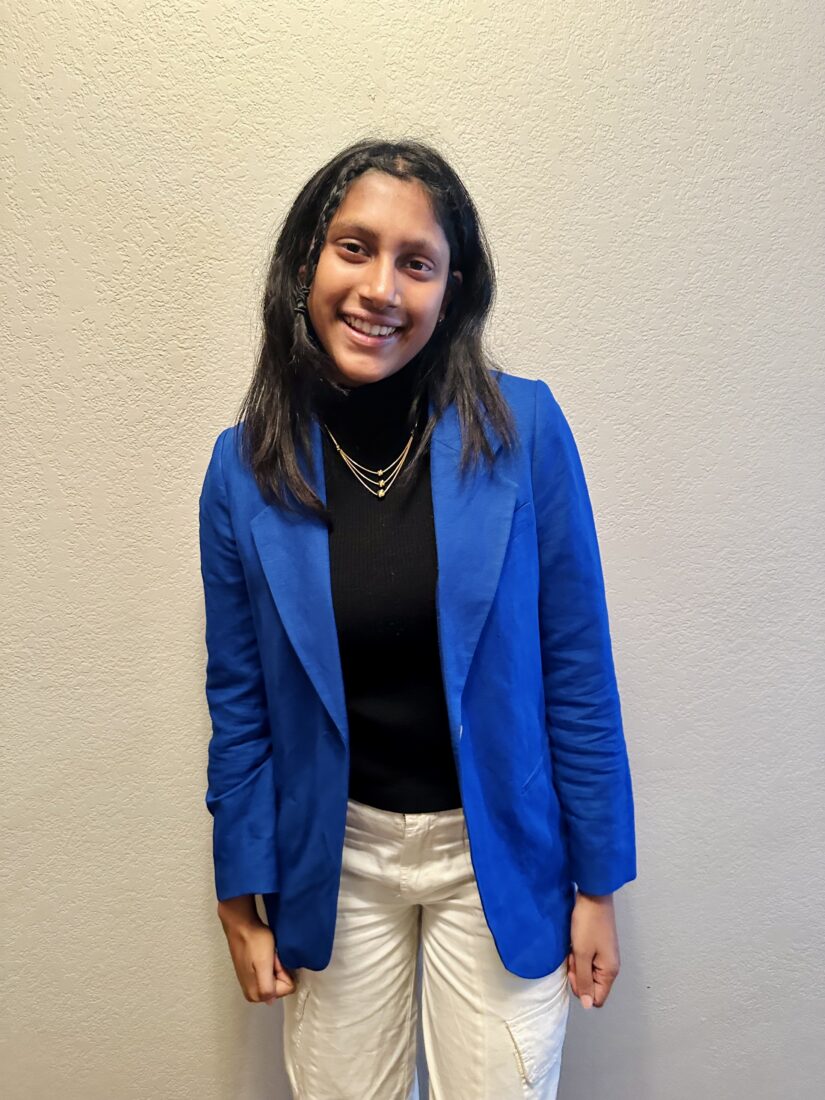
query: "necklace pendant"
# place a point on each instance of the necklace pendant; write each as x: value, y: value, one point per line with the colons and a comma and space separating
x: 359, y: 470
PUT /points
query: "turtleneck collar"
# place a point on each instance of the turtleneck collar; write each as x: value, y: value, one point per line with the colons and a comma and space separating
x: 372, y: 422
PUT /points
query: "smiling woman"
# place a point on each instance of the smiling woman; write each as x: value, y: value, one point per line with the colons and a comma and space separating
x: 417, y: 740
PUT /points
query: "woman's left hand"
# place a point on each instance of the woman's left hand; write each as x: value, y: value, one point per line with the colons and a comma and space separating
x: 593, y: 962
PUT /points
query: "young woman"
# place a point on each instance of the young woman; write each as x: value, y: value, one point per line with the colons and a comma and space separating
x: 417, y: 738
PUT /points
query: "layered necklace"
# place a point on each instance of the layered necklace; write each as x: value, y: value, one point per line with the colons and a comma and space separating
x: 382, y: 478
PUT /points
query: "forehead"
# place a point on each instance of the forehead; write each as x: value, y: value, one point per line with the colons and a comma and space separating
x: 398, y: 211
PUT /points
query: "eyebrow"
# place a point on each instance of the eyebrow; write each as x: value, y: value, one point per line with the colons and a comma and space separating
x: 356, y: 229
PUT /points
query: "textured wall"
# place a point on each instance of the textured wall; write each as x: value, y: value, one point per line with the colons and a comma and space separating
x: 651, y: 178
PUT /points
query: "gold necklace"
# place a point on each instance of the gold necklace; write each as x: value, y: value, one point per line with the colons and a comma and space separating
x: 382, y: 482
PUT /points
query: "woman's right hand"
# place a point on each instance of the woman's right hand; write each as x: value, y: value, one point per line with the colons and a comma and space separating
x: 262, y: 976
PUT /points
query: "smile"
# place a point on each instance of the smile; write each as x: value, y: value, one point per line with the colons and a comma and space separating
x: 370, y: 334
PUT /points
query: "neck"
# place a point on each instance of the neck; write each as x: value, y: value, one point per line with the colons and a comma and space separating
x: 373, y: 422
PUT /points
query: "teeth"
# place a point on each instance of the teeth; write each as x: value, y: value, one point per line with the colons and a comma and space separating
x: 370, y: 330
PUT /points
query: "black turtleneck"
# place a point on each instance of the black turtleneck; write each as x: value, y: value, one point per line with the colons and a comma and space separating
x: 383, y: 570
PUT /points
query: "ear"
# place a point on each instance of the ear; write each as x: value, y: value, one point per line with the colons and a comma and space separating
x: 302, y: 271
x: 448, y: 293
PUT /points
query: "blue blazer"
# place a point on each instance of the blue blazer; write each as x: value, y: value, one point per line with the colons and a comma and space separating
x: 528, y: 673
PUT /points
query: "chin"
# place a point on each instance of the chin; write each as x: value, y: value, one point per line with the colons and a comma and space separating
x: 358, y: 373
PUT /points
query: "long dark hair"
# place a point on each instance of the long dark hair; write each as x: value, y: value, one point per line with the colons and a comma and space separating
x: 275, y: 416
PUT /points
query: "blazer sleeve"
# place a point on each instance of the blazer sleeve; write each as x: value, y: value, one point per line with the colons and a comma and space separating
x: 240, y: 792
x: 583, y: 713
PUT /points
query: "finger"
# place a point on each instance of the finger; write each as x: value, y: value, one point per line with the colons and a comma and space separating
x: 284, y: 979
x: 571, y: 973
x: 263, y: 968
x: 265, y: 982
x: 584, y: 975
x: 603, y: 979
x: 284, y: 983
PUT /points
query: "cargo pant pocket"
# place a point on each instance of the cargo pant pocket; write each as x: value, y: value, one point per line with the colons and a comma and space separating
x: 303, y: 996
x: 294, y: 1015
x: 537, y: 1037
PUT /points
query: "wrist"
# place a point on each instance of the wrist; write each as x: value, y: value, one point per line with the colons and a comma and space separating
x: 601, y: 899
x: 238, y: 912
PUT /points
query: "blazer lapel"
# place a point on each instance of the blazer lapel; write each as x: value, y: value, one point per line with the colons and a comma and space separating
x: 472, y: 517
x: 294, y: 553
x: 472, y: 526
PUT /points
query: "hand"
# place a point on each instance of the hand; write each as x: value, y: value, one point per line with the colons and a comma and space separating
x: 262, y: 976
x: 593, y: 963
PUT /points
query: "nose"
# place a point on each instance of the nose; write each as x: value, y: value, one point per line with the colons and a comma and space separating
x: 380, y: 286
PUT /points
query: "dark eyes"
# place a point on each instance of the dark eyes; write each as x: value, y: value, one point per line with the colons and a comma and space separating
x: 424, y: 266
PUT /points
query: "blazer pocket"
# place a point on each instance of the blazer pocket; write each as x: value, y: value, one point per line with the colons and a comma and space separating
x: 523, y: 519
x: 533, y: 774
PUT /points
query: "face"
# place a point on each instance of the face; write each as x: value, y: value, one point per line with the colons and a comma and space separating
x: 385, y: 261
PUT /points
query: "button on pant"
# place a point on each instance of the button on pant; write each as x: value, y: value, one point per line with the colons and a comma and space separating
x: 407, y: 882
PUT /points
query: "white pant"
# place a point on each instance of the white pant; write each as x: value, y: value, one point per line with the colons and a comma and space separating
x: 350, y: 1029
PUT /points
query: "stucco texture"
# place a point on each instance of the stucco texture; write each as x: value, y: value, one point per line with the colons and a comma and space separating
x: 651, y: 179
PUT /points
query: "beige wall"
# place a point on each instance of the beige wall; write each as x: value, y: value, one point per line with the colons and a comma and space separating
x: 651, y: 177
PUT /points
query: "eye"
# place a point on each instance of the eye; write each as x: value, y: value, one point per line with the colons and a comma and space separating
x: 423, y: 269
